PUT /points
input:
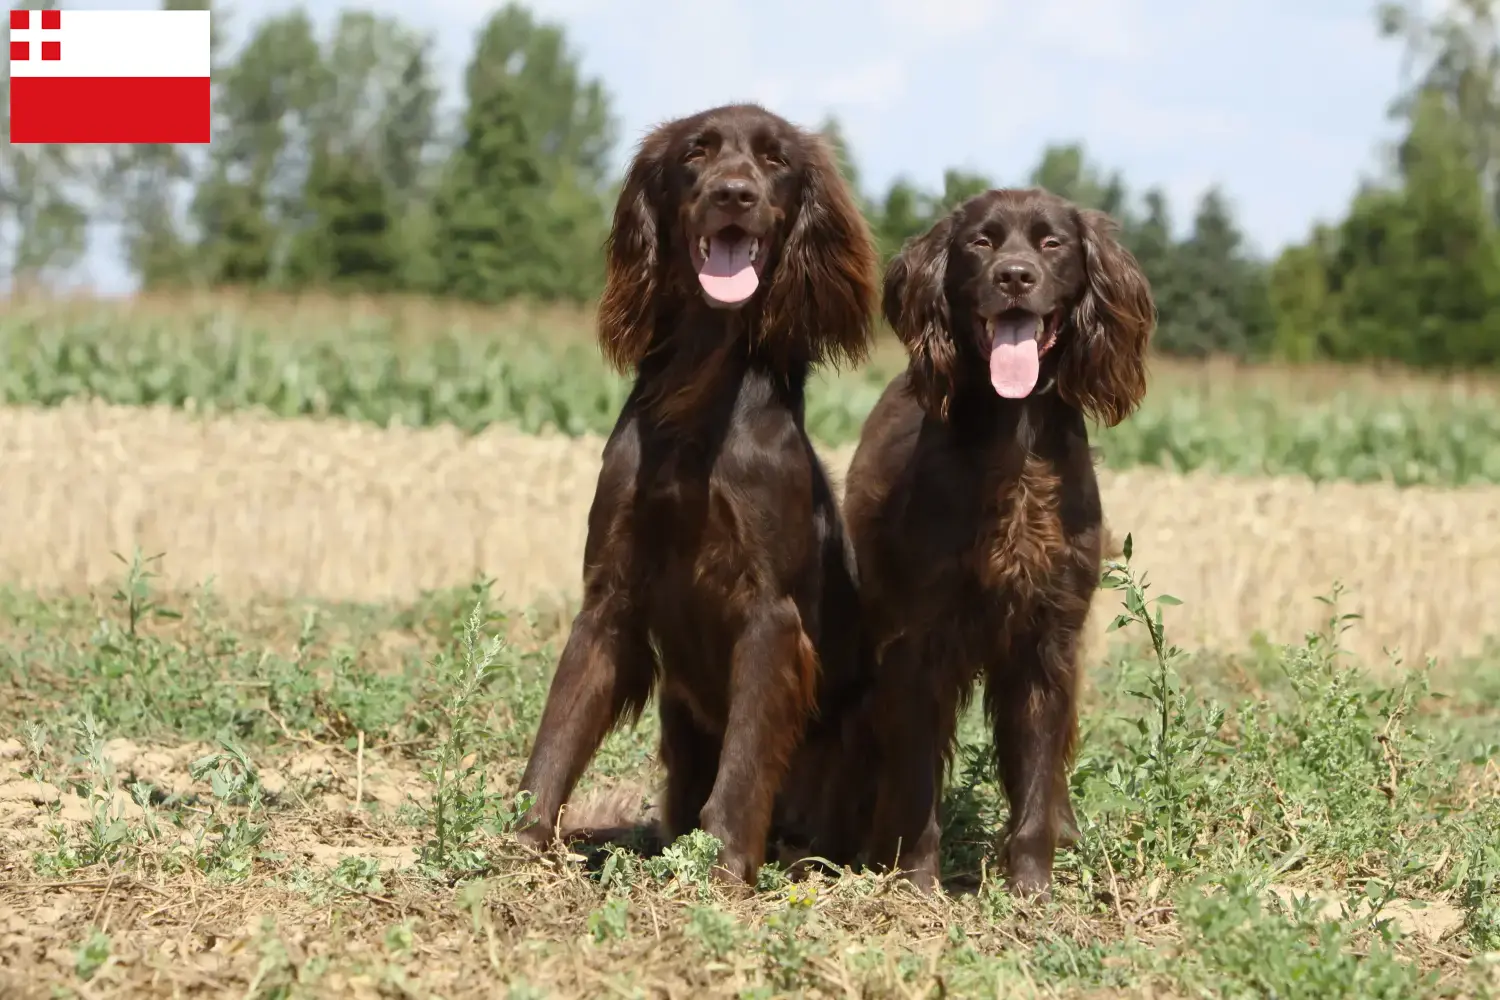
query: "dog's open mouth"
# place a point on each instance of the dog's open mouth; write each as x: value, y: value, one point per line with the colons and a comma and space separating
x: 1018, y: 339
x: 729, y: 264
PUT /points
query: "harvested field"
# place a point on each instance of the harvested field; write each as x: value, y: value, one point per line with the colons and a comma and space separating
x: 348, y: 511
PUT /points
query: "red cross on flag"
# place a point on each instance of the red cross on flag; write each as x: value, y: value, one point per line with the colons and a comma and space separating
x: 118, y: 76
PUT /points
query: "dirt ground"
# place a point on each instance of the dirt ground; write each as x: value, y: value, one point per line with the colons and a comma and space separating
x: 331, y: 912
x: 348, y: 511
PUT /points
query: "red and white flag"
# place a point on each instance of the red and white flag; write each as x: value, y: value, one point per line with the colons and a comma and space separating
x: 121, y: 76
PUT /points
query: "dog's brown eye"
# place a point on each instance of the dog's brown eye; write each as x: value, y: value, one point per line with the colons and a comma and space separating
x: 981, y: 242
x: 1051, y: 243
x: 694, y: 155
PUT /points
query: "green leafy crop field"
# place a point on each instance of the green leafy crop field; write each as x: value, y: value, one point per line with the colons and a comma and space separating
x: 424, y: 366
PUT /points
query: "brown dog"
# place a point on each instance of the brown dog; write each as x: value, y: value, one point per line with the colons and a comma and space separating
x: 716, y: 562
x: 974, y: 510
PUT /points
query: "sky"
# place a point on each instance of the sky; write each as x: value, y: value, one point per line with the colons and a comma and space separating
x: 1281, y: 103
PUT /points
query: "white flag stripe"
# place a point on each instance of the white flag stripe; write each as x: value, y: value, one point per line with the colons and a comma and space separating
x: 112, y: 43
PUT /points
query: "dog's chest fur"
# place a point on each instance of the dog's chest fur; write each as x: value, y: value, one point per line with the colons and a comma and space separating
x: 1024, y: 542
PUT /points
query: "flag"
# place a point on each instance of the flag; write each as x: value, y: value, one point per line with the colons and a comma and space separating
x: 109, y: 76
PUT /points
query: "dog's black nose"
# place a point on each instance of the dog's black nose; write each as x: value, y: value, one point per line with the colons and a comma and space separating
x: 1016, y: 277
x: 734, y: 194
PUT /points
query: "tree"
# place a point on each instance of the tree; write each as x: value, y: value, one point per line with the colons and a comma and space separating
x: 146, y: 187
x: 239, y: 245
x: 492, y: 241
x: 1417, y: 272
x: 832, y: 130
x: 1455, y: 54
x: 246, y: 206
x: 520, y: 210
x: 1066, y: 172
x: 1412, y: 273
x: 1306, y: 324
x: 372, y: 126
x: 43, y: 215
x: 958, y: 187
x: 1233, y: 312
x: 352, y: 243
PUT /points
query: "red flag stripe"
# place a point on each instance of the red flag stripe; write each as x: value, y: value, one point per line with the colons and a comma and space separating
x: 110, y: 109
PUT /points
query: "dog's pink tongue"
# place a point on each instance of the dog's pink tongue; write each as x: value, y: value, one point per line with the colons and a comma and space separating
x: 728, y: 275
x: 1014, y: 359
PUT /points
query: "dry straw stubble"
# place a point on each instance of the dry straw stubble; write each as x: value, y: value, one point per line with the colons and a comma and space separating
x: 341, y: 510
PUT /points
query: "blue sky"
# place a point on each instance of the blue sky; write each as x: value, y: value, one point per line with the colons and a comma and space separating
x: 1280, y: 102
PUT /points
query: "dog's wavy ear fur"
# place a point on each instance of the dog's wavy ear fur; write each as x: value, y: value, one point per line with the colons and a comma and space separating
x: 821, y: 302
x: 1104, y: 372
x: 915, y: 303
x: 634, y: 254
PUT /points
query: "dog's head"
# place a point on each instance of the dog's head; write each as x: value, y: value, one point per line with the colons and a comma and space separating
x: 738, y: 210
x: 1020, y: 291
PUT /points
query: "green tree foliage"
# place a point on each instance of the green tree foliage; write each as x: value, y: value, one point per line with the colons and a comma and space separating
x: 520, y: 208
x: 1412, y: 273
x: 372, y: 127
x: 1213, y: 296
x: 332, y: 167
x: 350, y: 242
x: 1455, y: 53
x: 1065, y: 171
x: 145, y: 188
x: 1305, y: 311
x: 248, y: 204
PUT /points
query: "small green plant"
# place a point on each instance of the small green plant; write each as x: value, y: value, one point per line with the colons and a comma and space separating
x: 1242, y: 951
x: 715, y: 931
x: 357, y: 874
x: 1481, y: 896
x: 37, y: 751
x: 621, y: 870
x: 784, y: 942
x: 400, y: 939
x: 237, y: 796
x: 107, y: 835
x: 135, y: 593
x: 462, y: 802
x: 276, y: 976
x: 1172, y: 741
x: 141, y: 793
x: 92, y: 955
x: 687, y: 863
x: 610, y: 922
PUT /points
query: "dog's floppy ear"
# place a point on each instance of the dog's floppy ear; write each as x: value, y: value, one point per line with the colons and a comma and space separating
x: 1104, y: 373
x: 915, y: 303
x: 634, y: 255
x: 821, y: 303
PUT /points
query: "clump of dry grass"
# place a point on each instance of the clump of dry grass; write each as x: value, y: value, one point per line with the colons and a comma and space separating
x: 344, y: 510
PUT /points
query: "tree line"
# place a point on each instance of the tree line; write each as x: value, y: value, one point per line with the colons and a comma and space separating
x: 334, y: 167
